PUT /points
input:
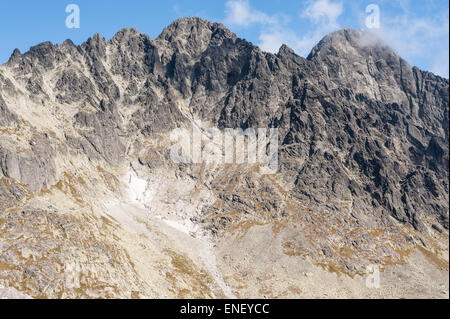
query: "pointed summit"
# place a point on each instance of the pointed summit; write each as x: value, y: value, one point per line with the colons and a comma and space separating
x: 16, y: 54
x: 285, y: 50
x: 124, y: 34
x: 68, y: 43
x: 95, y: 44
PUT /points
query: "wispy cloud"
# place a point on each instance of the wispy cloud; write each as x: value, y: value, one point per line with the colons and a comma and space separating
x: 240, y: 13
x: 322, y: 14
x: 418, y: 37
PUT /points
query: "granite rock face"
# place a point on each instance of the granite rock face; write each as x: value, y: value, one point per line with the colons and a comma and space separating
x: 362, y: 177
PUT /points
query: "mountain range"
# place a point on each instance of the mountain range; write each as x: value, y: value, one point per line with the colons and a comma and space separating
x: 91, y: 204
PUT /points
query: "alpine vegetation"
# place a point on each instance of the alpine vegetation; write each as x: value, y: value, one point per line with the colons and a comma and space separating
x: 196, y: 165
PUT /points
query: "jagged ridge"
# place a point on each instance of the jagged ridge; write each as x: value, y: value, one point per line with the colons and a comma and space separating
x: 363, y: 135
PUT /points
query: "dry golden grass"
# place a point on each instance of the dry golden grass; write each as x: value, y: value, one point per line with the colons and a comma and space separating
x: 433, y: 258
x: 197, y: 279
x: 241, y: 228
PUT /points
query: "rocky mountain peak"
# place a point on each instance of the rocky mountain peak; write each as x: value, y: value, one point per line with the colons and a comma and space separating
x: 285, y: 50
x: 344, y: 41
x: 193, y: 35
x: 125, y: 34
x: 16, y: 53
x: 371, y: 61
x: 95, y: 45
x: 192, y: 26
x: 68, y: 43
x: 86, y: 136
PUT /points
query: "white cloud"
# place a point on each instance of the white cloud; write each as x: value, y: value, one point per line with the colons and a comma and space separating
x: 440, y: 64
x: 271, y: 40
x: 239, y: 13
x: 323, y: 15
x: 324, y: 11
x: 423, y: 38
x: 418, y: 38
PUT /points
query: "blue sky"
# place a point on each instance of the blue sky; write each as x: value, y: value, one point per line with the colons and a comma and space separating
x: 417, y: 29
